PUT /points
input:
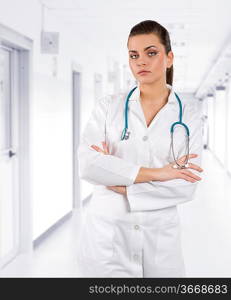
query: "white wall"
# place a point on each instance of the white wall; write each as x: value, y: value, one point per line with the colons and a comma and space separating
x: 52, y: 107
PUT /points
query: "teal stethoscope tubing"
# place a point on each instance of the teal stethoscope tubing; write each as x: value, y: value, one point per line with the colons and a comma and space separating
x: 126, y: 133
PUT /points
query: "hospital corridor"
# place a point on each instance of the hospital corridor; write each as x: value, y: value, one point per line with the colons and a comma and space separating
x: 67, y: 82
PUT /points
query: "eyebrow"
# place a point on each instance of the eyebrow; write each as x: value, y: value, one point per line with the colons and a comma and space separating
x: 144, y: 48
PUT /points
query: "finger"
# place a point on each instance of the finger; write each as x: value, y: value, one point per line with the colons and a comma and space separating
x: 120, y: 190
x: 191, y: 174
x: 94, y: 147
x: 105, y: 148
x: 189, y: 156
x: 120, y: 186
x: 112, y: 187
x: 115, y: 189
x: 195, y: 167
x: 97, y: 148
x: 187, y: 178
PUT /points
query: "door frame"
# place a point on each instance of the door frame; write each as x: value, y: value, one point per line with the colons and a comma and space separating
x: 12, y: 39
x: 76, y: 129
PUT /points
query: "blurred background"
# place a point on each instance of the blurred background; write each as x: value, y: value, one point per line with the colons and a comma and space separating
x: 56, y: 59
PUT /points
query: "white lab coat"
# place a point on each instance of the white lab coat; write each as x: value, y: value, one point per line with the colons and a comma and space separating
x: 137, y: 235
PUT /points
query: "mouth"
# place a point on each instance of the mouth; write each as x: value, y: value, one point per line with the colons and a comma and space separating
x: 143, y: 72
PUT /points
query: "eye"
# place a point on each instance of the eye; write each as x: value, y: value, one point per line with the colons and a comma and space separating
x: 132, y: 55
x: 152, y: 53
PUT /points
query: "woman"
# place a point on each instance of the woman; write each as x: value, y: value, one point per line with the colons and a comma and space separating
x: 132, y: 228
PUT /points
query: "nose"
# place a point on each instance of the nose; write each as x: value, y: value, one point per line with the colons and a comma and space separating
x: 141, y: 64
x: 141, y: 61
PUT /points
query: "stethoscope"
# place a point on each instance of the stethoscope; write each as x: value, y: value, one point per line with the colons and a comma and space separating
x: 126, y: 133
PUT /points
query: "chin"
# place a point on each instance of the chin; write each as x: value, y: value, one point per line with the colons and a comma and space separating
x: 146, y: 80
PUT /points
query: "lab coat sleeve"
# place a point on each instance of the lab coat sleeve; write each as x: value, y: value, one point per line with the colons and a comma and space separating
x: 160, y: 194
x: 96, y: 167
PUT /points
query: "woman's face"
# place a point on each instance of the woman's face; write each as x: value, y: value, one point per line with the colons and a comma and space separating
x: 147, y: 53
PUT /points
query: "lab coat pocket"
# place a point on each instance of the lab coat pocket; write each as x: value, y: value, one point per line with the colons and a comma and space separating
x: 97, y: 237
x: 169, y: 252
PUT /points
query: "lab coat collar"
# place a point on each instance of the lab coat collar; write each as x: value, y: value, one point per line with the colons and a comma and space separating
x: 136, y: 94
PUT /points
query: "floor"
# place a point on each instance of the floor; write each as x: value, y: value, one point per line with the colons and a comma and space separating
x: 206, y: 235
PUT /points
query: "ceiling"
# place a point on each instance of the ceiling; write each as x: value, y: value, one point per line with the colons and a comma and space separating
x: 199, y: 30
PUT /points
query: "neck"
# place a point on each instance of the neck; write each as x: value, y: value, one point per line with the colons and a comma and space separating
x: 157, y: 92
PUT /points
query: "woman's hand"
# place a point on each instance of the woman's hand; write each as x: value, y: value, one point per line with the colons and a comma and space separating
x: 121, y: 189
x: 105, y: 149
x: 116, y: 188
x: 168, y: 172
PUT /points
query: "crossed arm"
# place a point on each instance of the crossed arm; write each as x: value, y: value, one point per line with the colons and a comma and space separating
x: 149, y: 174
x: 121, y: 189
x: 145, y: 188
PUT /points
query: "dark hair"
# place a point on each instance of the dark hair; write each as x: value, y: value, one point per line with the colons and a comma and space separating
x: 150, y: 26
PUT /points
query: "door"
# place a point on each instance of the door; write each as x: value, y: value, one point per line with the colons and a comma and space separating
x: 9, y: 189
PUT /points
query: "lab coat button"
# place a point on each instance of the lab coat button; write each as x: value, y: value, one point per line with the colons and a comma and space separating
x: 136, y: 227
x: 145, y: 137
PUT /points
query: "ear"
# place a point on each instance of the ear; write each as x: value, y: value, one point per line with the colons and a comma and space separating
x: 170, y: 58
